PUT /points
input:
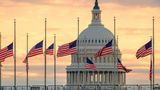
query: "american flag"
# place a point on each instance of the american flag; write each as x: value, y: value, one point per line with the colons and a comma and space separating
x: 150, y: 72
x: 90, y: 65
x: 6, y: 52
x: 50, y: 50
x: 67, y: 49
x: 144, y: 50
x: 121, y: 67
x: 36, y: 50
x: 107, y: 49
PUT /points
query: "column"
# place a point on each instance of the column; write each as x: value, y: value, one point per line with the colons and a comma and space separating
x: 84, y: 77
x: 74, y: 80
x: 112, y: 77
x: 98, y: 77
x: 89, y: 78
x: 121, y: 80
x: 75, y: 77
x: 124, y: 78
x: 71, y: 76
x: 81, y: 77
x: 94, y: 76
x: 103, y: 77
x: 107, y: 77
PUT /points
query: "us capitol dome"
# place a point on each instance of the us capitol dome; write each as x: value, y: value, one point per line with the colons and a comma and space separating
x: 91, y: 40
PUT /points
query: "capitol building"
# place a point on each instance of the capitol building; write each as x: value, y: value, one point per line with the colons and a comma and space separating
x: 91, y: 40
x: 107, y: 75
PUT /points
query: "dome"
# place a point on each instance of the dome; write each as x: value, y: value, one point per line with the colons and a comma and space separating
x: 97, y: 32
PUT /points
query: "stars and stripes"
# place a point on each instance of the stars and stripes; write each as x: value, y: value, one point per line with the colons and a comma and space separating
x: 6, y: 52
x: 36, y: 50
x: 145, y: 50
x: 90, y: 65
x: 107, y: 49
x: 67, y: 49
x: 50, y: 50
x: 121, y: 67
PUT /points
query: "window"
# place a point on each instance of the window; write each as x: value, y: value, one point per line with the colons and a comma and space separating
x: 100, y: 59
x: 88, y: 41
x: 106, y: 41
x: 95, y: 60
x: 92, y: 41
x: 102, y: 41
x: 99, y: 41
x: 84, y: 59
x: 85, y: 41
x: 95, y: 41
x: 104, y: 60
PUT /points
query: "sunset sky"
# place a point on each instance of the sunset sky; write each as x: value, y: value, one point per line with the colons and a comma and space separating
x: 134, y: 28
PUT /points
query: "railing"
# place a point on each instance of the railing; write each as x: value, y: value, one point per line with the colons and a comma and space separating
x: 84, y: 87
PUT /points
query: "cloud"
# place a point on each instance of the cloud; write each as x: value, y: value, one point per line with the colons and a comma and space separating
x: 139, y: 3
x: 31, y: 1
x: 135, y: 31
x: 58, y: 3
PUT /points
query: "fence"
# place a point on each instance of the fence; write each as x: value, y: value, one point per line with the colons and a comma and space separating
x: 84, y: 87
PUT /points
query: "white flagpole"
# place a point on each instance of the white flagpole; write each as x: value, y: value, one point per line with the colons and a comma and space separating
x: 27, y: 64
x: 0, y: 67
x: 55, y: 59
x: 153, y: 50
x: 151, y: 67
x: 15, y: 54
x: 78, y: 53
x: 45, y: 61
x: 115, y: 58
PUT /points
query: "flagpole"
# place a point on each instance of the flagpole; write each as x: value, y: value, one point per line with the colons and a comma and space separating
x: 55, y: 59
x: 27, y: 64
x: 115, y: 53
x: 45, y: 61
x: 151, y: 67
x: 78, y: 53
x: 153, y: 53
x: 14, y: 54
x: 117, y: 41
x: 0, y: 67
